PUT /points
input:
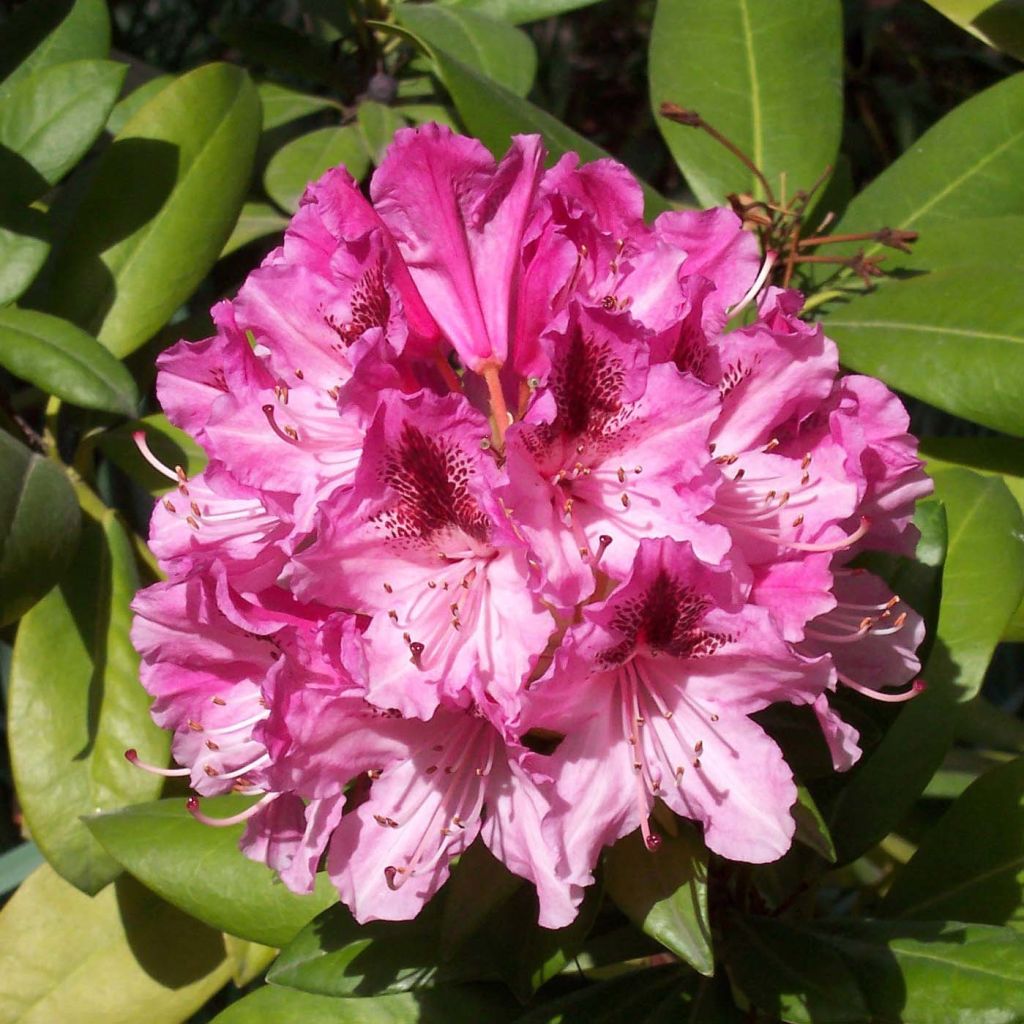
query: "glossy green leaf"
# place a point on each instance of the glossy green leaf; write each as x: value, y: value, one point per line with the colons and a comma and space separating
x: 304, y: 159
x: 17, y: 864
x: 811, y: 829
x: 378, y: 124
x: 201, y: 870
x: 43, y: 33
x: 998, y: 23
x: 787, y: 974
x: 519, y: 11
x: 76, y: 705
x: 665, y: 893
x: 159, y: 207
x: 491, y: 47
x: 766, y: 75
x: 970, y: 866
x: 39, y: 521
x: 62, y: 360
x: 120, y: 957
x: 273, y: 1005
x: 51, y: 118
x: 972, y: 241
x: 981, y: 586
x: 173, y: 447
x: 24, y: 245
x: 257, y: 220
x: 248, y: 959
x: 282, y: 105
x: 929, y: 972
x: 424, y: 113
x: 970, y: 164
x: 494, y: 115
x: 953, y: 338
x: 124, y: 110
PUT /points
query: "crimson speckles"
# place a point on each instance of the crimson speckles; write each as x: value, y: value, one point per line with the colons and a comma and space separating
x: 666, y: 619
x: 587, y: 386
x: 734, y: 376
x: 370, y: 307
x: 218, y: 380
x: 431, y: 477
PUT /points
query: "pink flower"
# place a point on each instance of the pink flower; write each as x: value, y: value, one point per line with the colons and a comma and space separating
x: 487, y: 465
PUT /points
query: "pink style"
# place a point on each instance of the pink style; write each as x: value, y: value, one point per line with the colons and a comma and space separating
x: 516, y: 510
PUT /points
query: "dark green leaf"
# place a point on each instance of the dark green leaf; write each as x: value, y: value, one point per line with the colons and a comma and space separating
x: 493, y: 48
x: 257, y: 220
x: 273, y: 1005
x: 159, y: 207
x: 124, y: 110
x: 43, y: 33
x: 378, y: 125
x: 518, y: 11
x: 970, y: 164
x: 282, y: 105
x: 277, y: 46
x: 996, y: 22
x: 201, y: 870
x: 17, y: 864
x: 173, y: 447
x: 970, y: 866
x: 494, y: 115
x: 773, y: 87
x: 665, y: 893
x: 76, y: 705
x: 929, y: 972
x: 811, y: 829
x: 50, y: 119
x: 953, y: 338
x: 24, y: 244
x: 121, y: 956
x: 304, y: 159
x: 38, y: 527
x: 63, y: 360
x: 787, y: 974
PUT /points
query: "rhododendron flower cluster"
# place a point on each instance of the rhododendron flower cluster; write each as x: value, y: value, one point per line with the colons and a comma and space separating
x: 516, y: 510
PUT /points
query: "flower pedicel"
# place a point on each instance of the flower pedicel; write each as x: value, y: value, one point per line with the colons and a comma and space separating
x: 486, y: 465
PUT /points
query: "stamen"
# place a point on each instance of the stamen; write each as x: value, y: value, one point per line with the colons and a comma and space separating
x: 916, y: 687
x: 176, y: 474
x: 236, y: 819
x: 289, y: 435
x: 766, y: 268
x: 132, y: 757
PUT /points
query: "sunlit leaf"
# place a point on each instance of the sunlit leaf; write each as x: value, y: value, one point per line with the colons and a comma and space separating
x: 304, y: 159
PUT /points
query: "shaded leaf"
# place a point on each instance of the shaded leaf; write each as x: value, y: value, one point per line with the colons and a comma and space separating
x: 159, y: 207
x: 248, y: 959
x: 257, y: 220
x: 24, y: 245
x: 170, y: 445
x: 62, y: 360
x: 970, y: 866
x: 43, y: 33
x: 378, y: 124
x: 76, y: 705
x: 665, y: 893
x: 201, y: 870
x: 773, y: 87
x: 124, y: 110
x: 120, y: 957
x: 17, y: 864
x: 995, y: 22
x: 493, y: 48
x: 39, y: 521
x: 811, y: 829
x: 519, y: 11
x: 304, y: 159
x: 282, y: 105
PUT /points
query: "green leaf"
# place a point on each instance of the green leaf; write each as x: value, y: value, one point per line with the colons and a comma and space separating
x: 811, y: 829
x: 494, y: 115
x: 970, y: 865
x: 257, y: 220
x: 201, y: 870
x: 972, y: 241
x: 173, y: 447
x: 378, y: 124
x: 121, y: 956
x: 51, y: 118
x: 786, y: 973
x: 981, y: 586
x: 248, y: 959
x: 773, y: 87
x: 17, y: 864
x: 665, y: 893
x: 39, y: 522
x: 995, y: 22
x: 76, y: 705
x: 929, y: 972
x: 124, y: 110
x: 273, y: 1005
x: 953, y: 338
x: 24, y: 245
x: 63, y: 360
x: 970, y: 164
x: 491, y: 47
x: 273, y: 45
x: 518, y: 11
x: 43, y: 33
x: 304, y: 159
x: 159, y: 207
x: 282, y: 105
